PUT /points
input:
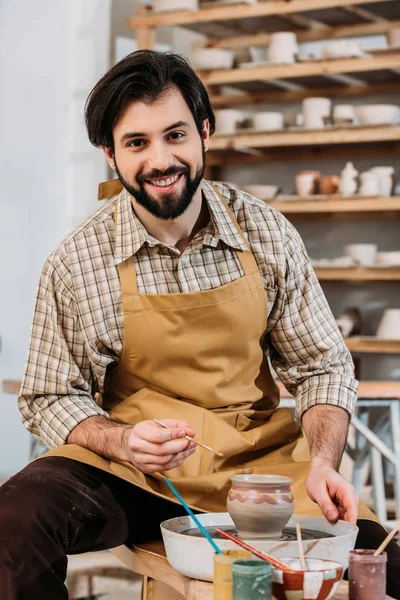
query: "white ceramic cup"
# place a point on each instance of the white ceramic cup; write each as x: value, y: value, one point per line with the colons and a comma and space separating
x: 363, y: 254
x: 315, y: 110
x: 268, y: 120
x: 385, y: 179
x: 283, y: 47
x: 343, y: 112
x: 226, y: 120
x: 305, y: 184
x: 369, y: 184
x: 389, y: 327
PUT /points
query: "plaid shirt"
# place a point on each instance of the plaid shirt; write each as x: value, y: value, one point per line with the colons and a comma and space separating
x: 77, y: 330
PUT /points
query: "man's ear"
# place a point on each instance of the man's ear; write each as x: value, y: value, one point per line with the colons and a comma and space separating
x: 205, y: 134
x: 109, y: 154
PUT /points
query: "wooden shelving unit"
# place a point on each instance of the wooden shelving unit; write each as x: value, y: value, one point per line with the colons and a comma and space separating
x: 372, y: 345
x: 238, y: 26
x: 314, y: 137
x: 376, y: 207
x: 358, y: 274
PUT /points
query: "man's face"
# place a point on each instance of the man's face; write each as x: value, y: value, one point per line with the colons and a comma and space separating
x: 159, y: 155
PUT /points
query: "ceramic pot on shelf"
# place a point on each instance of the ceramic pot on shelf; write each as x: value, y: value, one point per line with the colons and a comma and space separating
x: 362, y: 254
x: 316, y: 112
x: 283, y: 47
x: 385, y: 180
x: 329, y: 184
x: 389, y: 327
x: 260, y: 505
x: 307, y: 183
x: 369, y: 183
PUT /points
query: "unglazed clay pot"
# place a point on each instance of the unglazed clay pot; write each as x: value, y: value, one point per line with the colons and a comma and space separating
x: 260, y: 505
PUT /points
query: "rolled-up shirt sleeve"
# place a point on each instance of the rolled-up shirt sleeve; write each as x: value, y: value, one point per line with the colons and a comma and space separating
x: 56, y: 391
x: 307, y: 349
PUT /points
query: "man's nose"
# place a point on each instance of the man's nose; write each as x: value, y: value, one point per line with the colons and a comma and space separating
x: 159, y: 158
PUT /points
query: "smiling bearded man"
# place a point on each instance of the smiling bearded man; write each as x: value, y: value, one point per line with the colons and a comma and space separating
x: 165, y: 304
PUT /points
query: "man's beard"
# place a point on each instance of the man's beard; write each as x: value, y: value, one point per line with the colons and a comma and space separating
x: 169, y: 206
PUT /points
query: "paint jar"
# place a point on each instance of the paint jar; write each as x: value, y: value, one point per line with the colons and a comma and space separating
x: 223, y: 572
x: 252, y: 580
x: 367, y: 575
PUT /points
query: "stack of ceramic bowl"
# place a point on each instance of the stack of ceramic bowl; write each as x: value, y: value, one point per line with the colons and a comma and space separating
x: 227, y: 120
x: 377, y: 114
x: 172, y: 5
x: 205, y: 59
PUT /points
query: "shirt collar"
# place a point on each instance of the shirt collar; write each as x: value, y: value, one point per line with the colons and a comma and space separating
x: 131, y: 235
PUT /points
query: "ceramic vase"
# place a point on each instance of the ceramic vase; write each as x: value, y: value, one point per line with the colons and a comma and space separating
x: 283, y: 47
x: 260, y: 505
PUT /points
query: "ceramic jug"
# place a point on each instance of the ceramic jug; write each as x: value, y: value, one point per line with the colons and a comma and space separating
x: 348, y: 180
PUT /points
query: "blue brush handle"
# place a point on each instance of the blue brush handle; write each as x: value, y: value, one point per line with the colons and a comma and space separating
x: 195, y: 519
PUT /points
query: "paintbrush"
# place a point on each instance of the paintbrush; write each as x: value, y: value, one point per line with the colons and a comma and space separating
x: 190, y: 439
x: 300, y: 546
x: 277, y: 564
x: 191, y: 513
x: 387, y: 539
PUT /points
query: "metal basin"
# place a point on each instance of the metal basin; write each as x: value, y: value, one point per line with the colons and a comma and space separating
x: 191, y: 554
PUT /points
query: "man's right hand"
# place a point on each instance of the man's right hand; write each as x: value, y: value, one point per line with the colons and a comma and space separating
x: 152, y: 448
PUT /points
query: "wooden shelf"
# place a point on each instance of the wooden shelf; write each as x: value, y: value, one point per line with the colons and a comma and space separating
x: 338, y: 206
x: 388, y: 61
x: 357, y: 274
x: 241, y: 11
x: 302, y: 137
x: 372, y: 345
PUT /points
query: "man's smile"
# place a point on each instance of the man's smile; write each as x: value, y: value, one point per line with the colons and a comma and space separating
x: 165, y: 184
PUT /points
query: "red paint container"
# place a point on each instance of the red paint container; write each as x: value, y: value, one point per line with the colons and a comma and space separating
x: 367, y: 575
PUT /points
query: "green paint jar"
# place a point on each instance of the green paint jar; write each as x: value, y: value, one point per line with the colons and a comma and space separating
x: 251, y: 580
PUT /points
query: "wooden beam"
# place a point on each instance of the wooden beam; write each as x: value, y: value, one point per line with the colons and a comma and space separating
x: 363, y: 14
x: 249, y: 98
x: 306, y: 137
x: 302, y: 69
x: 238, y: 42
x: 239, y: 11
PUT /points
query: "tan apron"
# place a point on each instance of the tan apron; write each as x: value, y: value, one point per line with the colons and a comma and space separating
x: 199, y: 356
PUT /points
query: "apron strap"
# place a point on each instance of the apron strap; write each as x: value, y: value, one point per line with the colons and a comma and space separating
x: 126, y: 272
x: 246, y: 258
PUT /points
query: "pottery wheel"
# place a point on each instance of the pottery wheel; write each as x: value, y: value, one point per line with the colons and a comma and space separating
x: 288, y: 533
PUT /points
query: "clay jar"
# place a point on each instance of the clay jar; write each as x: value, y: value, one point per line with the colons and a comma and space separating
x: 260, y: 505
x: 367, y: 575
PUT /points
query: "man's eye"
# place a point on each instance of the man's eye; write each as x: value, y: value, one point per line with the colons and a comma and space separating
x: 135, y: 143
x: 176, y: 135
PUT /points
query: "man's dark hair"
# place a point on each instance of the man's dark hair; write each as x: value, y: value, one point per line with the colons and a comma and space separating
x: 144, y: 76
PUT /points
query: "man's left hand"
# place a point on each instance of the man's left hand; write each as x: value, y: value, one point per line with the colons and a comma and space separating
x: 334, y: 495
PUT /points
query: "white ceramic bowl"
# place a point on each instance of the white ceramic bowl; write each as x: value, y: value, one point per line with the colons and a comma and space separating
x: 389, y: 327
x: 388, y: 258
x: 377, y: 114
x: 205, y: 59
x: 226, y: 120
x: 194, y: 556
x: 268, y: 121
x: 341, y: 49
x: 262, y: 192
x: 171, y: 5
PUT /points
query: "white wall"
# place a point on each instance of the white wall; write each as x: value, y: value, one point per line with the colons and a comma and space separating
x: 41, y: 144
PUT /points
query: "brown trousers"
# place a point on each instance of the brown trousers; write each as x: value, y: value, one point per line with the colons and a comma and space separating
x: 57, y: 506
